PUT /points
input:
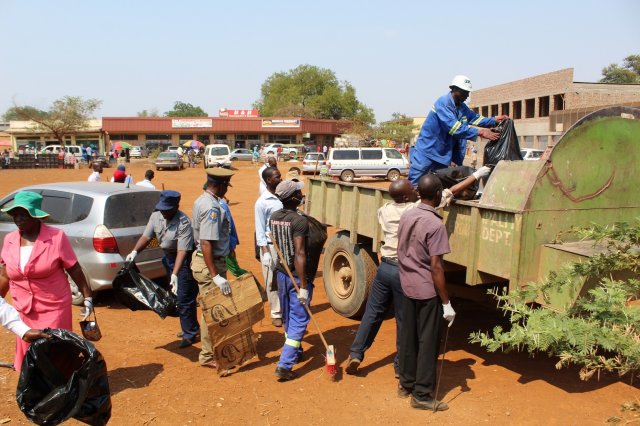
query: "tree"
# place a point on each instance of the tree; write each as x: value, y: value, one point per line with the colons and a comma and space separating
x: 153, y: 112
x: 311, y: 92
x: 182, y: 109
x: 65, y: 116
x: 399, y: 128
x: 14, y: 114
x: 629, y: 72
x: 601, y: 331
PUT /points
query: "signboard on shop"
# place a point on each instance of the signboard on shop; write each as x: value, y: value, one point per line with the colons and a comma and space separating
x: 280, y: 123
x: 238, y: 113
x: 190, y: 123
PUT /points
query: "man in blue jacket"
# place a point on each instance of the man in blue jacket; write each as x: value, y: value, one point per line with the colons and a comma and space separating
x: 444, y: 134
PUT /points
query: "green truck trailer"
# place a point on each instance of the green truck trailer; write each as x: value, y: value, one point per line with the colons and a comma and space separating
x: 508, y: 236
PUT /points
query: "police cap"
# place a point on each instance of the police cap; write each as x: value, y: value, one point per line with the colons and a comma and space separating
x: 169, y: 200
x: 219, y: 175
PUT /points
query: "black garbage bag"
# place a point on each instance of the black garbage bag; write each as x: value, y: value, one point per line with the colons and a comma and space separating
x: 64, y: 377
x: 453, y: 175
x: 137, y: 292
x: 504, y: 148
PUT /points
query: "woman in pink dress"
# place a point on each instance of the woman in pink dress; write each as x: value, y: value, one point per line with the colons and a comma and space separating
x: 33, y: 262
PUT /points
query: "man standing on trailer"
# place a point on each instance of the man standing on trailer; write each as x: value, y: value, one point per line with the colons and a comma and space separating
x: 443, y: 137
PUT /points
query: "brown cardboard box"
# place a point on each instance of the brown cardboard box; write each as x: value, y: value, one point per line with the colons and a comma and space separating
x: 229, y: 320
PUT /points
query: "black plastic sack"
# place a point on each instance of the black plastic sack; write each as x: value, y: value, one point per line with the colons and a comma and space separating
x: 137, y: 292
x: 453, y: 175
x: 64, y: 377
x: 315, y: 245
x: 504, y: 148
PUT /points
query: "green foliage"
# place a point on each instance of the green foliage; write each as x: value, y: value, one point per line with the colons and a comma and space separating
x: 399, y: 128
x: 66, y: 115
x: 18, y: 113
x: 311, y: 92
x: 601, y: 331
x: 182, y: 109
x: 153, y: 112
x: 629, y: 72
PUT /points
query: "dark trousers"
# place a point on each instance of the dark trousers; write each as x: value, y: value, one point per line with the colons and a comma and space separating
x: 187, y: 293
x: 419, y: 345
x: 384, y: 290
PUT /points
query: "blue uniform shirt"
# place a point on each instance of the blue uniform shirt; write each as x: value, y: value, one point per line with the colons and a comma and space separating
x: 444, y: 134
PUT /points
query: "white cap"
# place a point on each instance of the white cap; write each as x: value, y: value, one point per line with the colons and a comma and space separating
x: 462, y: 82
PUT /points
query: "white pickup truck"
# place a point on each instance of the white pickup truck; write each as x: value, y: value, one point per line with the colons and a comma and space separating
x: 278, y: 149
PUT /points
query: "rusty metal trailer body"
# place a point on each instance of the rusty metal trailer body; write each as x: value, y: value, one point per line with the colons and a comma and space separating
x: 508, y: 235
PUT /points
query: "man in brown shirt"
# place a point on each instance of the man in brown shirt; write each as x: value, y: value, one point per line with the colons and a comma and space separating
x: 422, y: 240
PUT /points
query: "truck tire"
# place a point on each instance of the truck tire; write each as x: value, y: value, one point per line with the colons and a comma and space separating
x: 347, y: 176
x: 393, y: 175
x: 348, y: 271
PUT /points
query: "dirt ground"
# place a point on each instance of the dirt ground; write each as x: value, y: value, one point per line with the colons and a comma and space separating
x: 154, y: 382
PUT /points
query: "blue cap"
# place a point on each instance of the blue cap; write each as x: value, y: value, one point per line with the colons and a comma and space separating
x: 121, y: 167
x: 168, y: 200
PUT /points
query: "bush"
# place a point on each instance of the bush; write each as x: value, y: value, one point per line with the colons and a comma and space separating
x: 601, y: 331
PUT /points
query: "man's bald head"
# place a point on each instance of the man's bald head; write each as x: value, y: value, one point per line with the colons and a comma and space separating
x: 272, y: 162
x: 402, y: 191
x: 430, y: 188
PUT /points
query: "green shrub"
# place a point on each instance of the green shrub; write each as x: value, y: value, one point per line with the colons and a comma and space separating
x: 601, y: 331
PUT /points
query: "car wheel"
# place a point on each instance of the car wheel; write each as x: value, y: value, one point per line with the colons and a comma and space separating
x: 158, y: 168
x: 347, y: 176
x: 393, y: 175
x: 234, y: 159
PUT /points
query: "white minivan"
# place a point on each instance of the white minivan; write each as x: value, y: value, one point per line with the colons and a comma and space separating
x: 349, y: 163
x: 217, y: 155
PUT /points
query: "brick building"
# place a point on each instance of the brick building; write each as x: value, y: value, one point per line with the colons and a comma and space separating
x: 545, y: 106
x: 240, y: 132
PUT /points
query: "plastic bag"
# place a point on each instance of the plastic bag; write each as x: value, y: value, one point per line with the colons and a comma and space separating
x: 137, y: 292
x: 453, y: 175
x: 64, y: 377
x: 504, y: 148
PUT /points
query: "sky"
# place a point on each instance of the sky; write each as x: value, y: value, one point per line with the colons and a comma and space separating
x: 399, y: 55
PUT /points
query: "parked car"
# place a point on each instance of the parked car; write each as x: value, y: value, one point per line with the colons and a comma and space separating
x: 99, y: 158
x: 217, y: 155
x: 277, y: 149
x: 103, y: 222
x: 349, y: 163
x: 76, y: 150
x: 138, y: 152
x: 531, y: 154
x: 241, y: 154
x: 169, y: 160
x: 312, y: 162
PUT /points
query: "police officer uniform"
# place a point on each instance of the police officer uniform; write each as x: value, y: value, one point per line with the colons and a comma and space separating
x: 176, y: 235
x: 210, y: 222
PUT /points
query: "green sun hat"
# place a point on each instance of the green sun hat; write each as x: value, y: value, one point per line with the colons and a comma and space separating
x: 30, y: 201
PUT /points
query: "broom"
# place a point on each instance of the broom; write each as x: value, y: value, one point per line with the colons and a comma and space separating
x: 330, y: 363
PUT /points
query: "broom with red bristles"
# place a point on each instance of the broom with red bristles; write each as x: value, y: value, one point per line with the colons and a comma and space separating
x: 330, y: 363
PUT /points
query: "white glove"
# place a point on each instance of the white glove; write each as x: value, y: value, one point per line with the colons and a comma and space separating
x: 88, y: 308
x: 449, y: 313
x: 482, y: 172
x: 266, y: 259
x: 131, y: 256
x: 174, y: 284
x: 303, y: 296
x: 222, y: 284
x: 447, y: 197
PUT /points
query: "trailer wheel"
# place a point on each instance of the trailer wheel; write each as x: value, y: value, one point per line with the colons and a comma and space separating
x: 348, y: 272
x: 347, y: 176
x: 393, y: 175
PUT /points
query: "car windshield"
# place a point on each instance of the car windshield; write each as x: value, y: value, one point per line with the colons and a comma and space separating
x: 219, y: 151
x: 63, y: 207
x: 129, y: 209
x: 168, y: 155
x: 314, y: 156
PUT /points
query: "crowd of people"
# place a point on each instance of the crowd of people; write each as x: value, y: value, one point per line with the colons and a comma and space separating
x: 200, y: 252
